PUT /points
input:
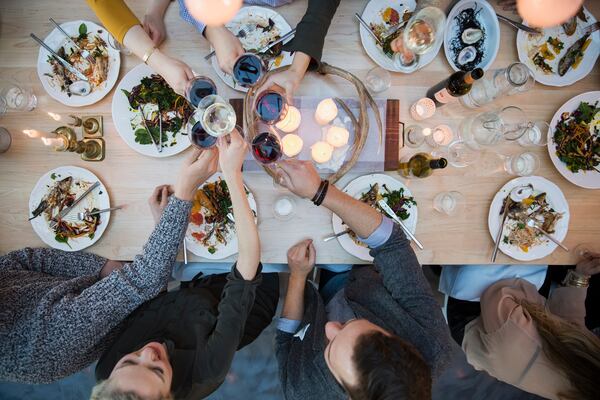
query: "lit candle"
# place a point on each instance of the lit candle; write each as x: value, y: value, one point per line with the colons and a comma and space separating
x: 326, y: 112
x: 337, y: 136
x: 292, y: 145
x: 426, y: 131
x: 321, y: 152
x: 291, y: 122
x: 57, y: 143
x: 422, y: 109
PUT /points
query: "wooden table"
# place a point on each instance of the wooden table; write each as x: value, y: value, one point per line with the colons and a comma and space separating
x: 130, y: 177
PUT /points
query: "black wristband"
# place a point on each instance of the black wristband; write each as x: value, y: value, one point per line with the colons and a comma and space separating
x: 323, y: 194
x: 319, y: 190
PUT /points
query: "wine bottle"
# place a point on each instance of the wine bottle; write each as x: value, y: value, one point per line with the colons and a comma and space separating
x: 420, y: 165
x: 458, y: 84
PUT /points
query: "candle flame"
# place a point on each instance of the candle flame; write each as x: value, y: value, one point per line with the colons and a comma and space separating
x: 54, y: 116
x: 32, y: 133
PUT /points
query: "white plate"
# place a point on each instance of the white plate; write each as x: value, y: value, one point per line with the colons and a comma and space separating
x: 55, y: 40
x: 98, y: 198
x: 122, y: 115
x: 524, y: 42
x: 554, y: 197
x: 355, y: 189
x: 585, y: 179
x: 487, y: 18
x: 222, y: 251
x: 372, y: 13
x: 245, y: 12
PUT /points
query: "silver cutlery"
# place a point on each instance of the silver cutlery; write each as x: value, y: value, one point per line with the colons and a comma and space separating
x: 84, y: 53
x: 185, y: 258
x: 64, y: 212
x: 384, y: 205
x: 64, y: 62
x: 230, y: 217
x: 520, y: 192
x: 533, y: 224
x: 368, y: 28
x: 240, y: 34
x: 285, y: 37
x: 160, y: 131
x: 82, y: 215
x: 331, y: 237
x: 518, y: 25
x: 393, y: 30
x: 148, y: 130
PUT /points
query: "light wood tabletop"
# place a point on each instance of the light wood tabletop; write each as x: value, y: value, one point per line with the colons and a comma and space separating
x: 131, y: 177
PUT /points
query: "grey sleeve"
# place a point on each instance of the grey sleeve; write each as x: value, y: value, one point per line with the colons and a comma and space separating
x: 283, y: 344
x: 53, y: 262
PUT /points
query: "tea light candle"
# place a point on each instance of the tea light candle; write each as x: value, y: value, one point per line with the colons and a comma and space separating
x: 424, y: 108
x: 426, y: 131
x: 337, y: 136
x: 291, y: 122
x: 326, y: 112
x: 292, y: 145
x: 57, y: 143
x: 442, y: 136
x: 321, y: 152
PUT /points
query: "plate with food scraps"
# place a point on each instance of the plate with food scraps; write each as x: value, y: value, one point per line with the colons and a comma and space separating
x: 545, y: 204
x: 574, y: 140
x: 543, y: 53
x: 370, y: 189
x: 56, y: 190
x: 211, y: 233
x: 383, y: 16
x: 102, y: 74
x: 142, y: 87
x: 472, y: 35
x: 261, y: 26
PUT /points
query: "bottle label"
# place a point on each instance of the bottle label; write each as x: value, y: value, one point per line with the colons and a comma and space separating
x: 443, y: 96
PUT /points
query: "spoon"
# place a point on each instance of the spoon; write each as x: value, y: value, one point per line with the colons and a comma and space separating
x: 80, y: 88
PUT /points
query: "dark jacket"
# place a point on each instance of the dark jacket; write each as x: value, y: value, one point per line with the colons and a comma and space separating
x: 202, y: 326
x: 393, y: 294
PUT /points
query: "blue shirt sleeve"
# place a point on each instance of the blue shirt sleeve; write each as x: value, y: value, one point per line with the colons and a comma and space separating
x: 379, y: 235
x: 288, y: 325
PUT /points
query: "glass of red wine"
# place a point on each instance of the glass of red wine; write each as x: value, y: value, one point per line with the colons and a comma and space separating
x: 198, y: 88
x: 271, y: 107
x: 248, y: 70
x: 266, y: 147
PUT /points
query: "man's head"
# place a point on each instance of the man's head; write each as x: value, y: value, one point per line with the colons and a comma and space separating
x: 145, y: 374
x: 370, y: 363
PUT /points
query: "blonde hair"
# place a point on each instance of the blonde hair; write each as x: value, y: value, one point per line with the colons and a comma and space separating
x: 103, y: 391
x: 572, y: 349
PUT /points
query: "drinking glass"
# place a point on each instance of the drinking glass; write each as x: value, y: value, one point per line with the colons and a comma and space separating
x: 218, y: 116
x: 413, y: 136
x: 441, y: 135
x: 461, y: 155
x: 198, y: 88
x: 536, y: 134
x: 14, y: 97
x: 424, y: 30
x: 115, y: 45
x: 378, y: 80
x: 583, y: 249
x: 490, y: 128
x: 524, y: 164
x: 449, y: 203
x: 196, y: 132
x: 5, y: 140
x: 266, y: 147
x: 271, y: 107
x: 248, y: 70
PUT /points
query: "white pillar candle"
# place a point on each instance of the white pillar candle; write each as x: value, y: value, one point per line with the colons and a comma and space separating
x: 292, y: 145
x: 291, y: 122
x: 321, y: 152
x: 326, y: 112
x: 57, y: 143
x: 337, y: 136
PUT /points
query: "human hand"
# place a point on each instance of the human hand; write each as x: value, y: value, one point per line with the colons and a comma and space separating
x: 232, y: 150
x: 289, y: 79
x: 154, y: 25
x: 196, y: 169
x: 227, y: 47
x: 589, y: 265
x: 175, y: 72
x: 109, y: 267
x: 301, y: 258
x: 300, y: 177
x: 158, y: 201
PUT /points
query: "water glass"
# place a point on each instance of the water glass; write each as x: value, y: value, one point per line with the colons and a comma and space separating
x: 524, y: 164
x: 413, y: 136
x: 378, y: 80
x: 461, y: 155
x: 14, y: 97
x: 115, y: 45
x: 583, y: 250
x: 5, y: 140
x: 449, y: 203
x: 536, y: 134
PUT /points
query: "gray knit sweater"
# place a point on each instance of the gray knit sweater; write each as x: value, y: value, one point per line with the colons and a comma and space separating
x: 57, y: 316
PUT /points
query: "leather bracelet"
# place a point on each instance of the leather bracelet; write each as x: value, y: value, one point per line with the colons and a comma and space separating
x: 319, y: 190
x: 148, y: 54
x: 575, y: 279
x: 323, y: 194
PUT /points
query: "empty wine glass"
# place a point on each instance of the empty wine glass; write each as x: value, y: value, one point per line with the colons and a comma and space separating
x: 424, y: 30
x: 378, y: 80
x: 461, y: 155
x: 536, y: 134
x: 523, y: 164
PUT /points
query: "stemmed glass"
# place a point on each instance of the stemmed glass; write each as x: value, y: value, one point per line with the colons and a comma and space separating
x: 198, y: 88
x: 218, y: 116
x: 248, y: 70
x: 266, y: 147
x: 424, y: 30
x: 461, y: 155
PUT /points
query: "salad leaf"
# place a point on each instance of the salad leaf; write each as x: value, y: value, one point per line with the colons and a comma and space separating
x: 61, y: 239
x: 82, y: 31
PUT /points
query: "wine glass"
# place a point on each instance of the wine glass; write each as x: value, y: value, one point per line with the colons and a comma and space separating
x: 424, y: 30
x: 271, y: 107
x: 266, y: 147
x: 196, y: 132
x: 15, y: 97
x: 198, y: 88
x: 449, y: 203
x: 248, y: 70
x: 461, y: 155
x: 218, y: 116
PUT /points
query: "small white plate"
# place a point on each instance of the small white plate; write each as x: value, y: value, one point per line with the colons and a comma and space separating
x: 55, y: 40
x: 98, y: 198
x: 554, y: 197
x: 584, y: 179
x: 356, y: 188
x: 525, y: 42
x: 123, y: 114
x: 244, y: 13
x: 487, y: 18
x: 222, y: 251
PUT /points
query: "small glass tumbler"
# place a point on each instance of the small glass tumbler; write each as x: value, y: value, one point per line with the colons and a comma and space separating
x: 449, y: 203
x: 584, y: 250
x: 5, y: 140
x: 524, y: 164
x: 15, y: 97
x: 378, y: 80
x: 536, y: 134
x: 284, y: 207
x: 115, y: 45
x: 413, y: 136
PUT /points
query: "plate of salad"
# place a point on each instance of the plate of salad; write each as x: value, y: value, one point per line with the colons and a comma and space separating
x: 574, y: 140
x: 370, y: 189
x: 143, y: 89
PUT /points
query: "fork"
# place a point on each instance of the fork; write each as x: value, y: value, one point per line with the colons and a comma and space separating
x: 84, y: 214
x: 241, y: 34
x: 84, y: 53
x: 518, y: 25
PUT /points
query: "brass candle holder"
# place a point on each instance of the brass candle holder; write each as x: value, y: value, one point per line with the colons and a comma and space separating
x: 90, y: 149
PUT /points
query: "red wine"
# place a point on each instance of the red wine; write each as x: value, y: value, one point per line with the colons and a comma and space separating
x: 266, y: 148
x: 457, y: 85
x: 248, y: 69
x: 271, y: 107
x: 199, y: 88
x: 201, y: 138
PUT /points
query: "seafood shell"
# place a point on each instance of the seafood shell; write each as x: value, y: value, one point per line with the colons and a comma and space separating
x: 466, y: 55
x: 471, y: 35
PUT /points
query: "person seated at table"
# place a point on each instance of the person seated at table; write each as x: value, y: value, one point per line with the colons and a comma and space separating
x: 539, y: 345
x: 373, y: 332
x: 61, y: 310
x: 183, y: 342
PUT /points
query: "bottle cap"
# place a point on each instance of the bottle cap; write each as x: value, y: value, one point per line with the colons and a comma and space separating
x: 438, y: 164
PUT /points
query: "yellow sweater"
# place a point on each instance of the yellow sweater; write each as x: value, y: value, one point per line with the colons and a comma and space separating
x: 116, y: 17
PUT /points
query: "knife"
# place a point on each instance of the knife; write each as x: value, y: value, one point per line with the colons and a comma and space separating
x: 64, y: 62
x: 148, y: 130
x: 368, y: 28
x: 64, y: 212
x: 288, y: 35
x: 331, y: 237
x: 382, y: 203
x: 499, y: 234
